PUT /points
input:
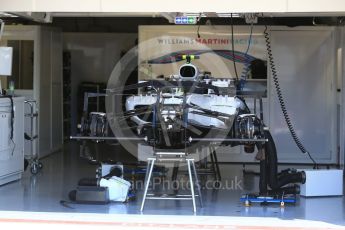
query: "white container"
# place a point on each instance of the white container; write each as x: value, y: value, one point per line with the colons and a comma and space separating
x: 322, y: 182
x: 6, y: 61
x: 118, y: 188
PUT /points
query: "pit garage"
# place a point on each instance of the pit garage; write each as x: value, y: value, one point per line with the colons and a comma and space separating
x: 176, y: 115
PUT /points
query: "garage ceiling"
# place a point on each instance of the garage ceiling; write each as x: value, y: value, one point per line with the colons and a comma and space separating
x: 293, y: 7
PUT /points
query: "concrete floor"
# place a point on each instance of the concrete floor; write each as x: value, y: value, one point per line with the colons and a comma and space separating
x: 62, y: 171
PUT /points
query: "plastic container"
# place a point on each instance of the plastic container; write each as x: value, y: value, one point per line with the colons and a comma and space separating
x: 118, y: 188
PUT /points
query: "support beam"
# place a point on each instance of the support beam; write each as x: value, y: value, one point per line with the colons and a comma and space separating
x: 35, y: 16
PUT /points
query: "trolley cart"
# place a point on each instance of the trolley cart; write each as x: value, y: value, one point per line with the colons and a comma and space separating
x: 35, y: 164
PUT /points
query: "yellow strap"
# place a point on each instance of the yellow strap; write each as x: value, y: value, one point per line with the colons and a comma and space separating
x: 184, y: 57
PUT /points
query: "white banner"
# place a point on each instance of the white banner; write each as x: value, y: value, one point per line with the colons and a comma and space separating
x: 161, y: 49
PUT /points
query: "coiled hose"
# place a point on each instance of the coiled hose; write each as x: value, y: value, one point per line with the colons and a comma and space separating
x: 281, y: 99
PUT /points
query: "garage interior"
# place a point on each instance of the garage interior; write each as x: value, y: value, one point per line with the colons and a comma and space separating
x: 187, y: 113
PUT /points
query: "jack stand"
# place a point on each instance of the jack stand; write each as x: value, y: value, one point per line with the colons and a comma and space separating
x: 247, y: 199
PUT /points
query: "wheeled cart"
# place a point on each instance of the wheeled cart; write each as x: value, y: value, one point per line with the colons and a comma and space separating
x: 33, y: 158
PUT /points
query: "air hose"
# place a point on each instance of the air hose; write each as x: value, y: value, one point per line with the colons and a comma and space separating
x: 281, y: 99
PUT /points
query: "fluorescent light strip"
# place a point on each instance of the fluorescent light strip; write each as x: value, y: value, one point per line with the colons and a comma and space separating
x: 7, y: 15
x: 228, y: 15
x: 222, y: 15
x: 194, y: 15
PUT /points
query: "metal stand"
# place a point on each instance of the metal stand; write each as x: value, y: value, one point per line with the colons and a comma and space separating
x: 178, y: 158
x: 35, y: 164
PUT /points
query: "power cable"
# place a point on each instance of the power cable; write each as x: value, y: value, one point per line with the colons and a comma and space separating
x: 198, y: 21
x: 246, y: 68
x: 250, y: 38
x: 233, y: 47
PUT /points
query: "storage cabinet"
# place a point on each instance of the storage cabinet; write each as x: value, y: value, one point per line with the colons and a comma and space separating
x: 11, y: 150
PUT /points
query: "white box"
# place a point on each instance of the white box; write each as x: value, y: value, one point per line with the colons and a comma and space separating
x: 144, y: 152
x: 6, y: 61
x: 322, y: 182
x: 118, y: 188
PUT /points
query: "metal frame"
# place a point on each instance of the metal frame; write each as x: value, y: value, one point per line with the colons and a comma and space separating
x: 191, y: 172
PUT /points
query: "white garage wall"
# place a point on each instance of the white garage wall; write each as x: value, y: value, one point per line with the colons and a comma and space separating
x: 306, y: 61
x: 93, y: 57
